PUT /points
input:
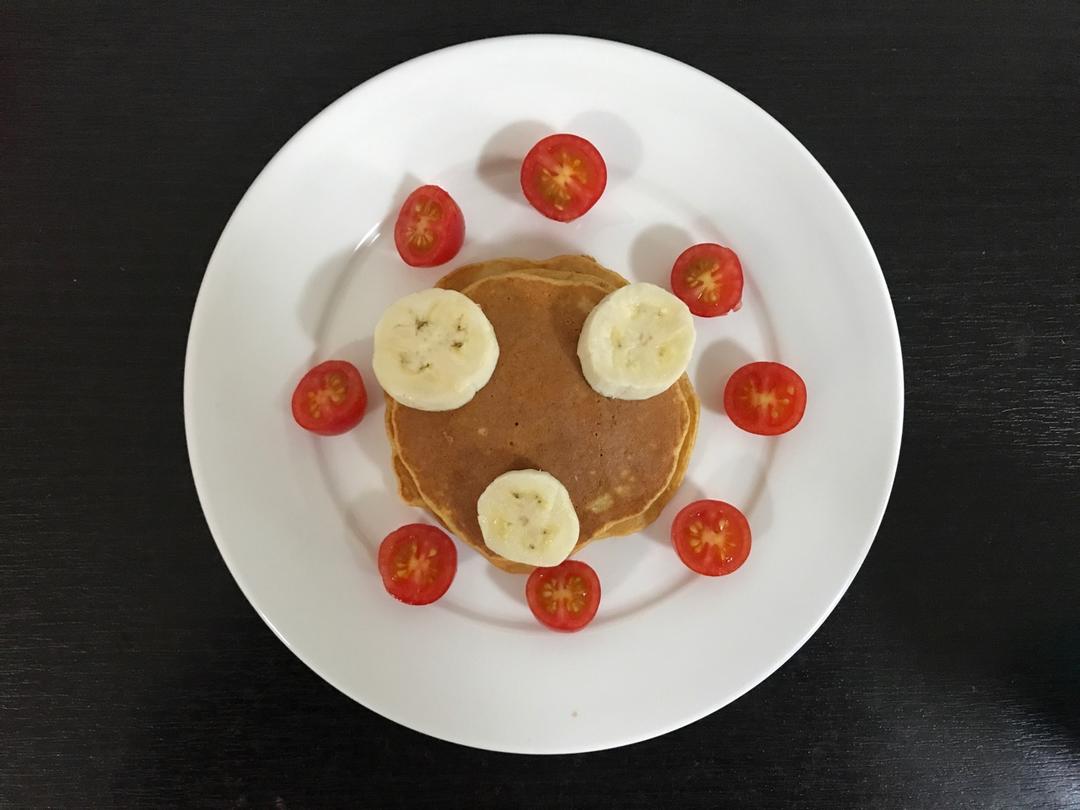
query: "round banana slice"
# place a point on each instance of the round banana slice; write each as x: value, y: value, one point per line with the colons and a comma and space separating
x: 636, y: 342
x: 526, y: 516
x: 434, y: 350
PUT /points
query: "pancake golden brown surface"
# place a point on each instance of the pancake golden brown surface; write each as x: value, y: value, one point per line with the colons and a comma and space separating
x: 620, y: 460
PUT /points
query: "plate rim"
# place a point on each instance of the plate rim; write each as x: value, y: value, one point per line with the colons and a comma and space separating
x: 637, y: 52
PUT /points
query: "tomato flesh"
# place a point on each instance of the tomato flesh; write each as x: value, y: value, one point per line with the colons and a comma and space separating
x: 330, y: 399
x: 709, y: 279
x: 430, y: 228
x: 563, y: 176
x: 765, y: 398
x: 711, y: 537
x: 564, y: 597
x: 417, y: 563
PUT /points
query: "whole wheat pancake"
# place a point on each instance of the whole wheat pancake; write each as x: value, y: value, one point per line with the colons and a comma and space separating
x: 620, y: 460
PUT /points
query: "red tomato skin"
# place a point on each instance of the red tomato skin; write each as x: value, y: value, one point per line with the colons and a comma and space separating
x: 758, y: 423
x: 406, y: 591
x: 351, y: 410
x: 589, y: 195
x: 701, y: 511
x: 729, y: 296
x: 451, y: 228
x: 562, y: 622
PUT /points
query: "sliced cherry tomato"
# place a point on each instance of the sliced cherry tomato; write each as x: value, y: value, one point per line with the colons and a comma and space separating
x: 430, y: 228
x: 563, y: 176
x: 709, y: 278
x: 330, y: 398
x: 417, y: 563
x: 765, y: 398
x: 564, y: 597
x: 711, y: 537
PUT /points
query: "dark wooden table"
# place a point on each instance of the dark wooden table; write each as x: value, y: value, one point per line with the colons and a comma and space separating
x: 133, y: 672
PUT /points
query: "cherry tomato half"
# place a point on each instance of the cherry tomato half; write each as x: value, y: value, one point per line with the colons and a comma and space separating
x: 564, y: 597
x: 330, y: 399
x: 711, y: 537
x: 417, y: 563
x: 563, y: 176
x: 765, y: 398
x: 430, y: 228
x: 709, y: 278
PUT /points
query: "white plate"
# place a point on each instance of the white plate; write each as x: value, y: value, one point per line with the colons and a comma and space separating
x: 306, y: 265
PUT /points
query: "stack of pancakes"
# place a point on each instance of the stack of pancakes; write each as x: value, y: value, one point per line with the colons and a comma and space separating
x: 620, y: 460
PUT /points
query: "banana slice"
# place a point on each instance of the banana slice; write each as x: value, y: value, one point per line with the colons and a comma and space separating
x: 526, y: 516
x: 434, y: 350
x: 636, y: 342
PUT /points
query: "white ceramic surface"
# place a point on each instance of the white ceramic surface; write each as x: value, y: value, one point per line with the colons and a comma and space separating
x: 306, y: 265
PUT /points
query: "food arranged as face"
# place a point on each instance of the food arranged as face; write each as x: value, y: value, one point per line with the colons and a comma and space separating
x: 478, y: 369
x: 619, y: 459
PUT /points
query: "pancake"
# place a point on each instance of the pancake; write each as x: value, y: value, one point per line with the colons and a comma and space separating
x: 620, y: 460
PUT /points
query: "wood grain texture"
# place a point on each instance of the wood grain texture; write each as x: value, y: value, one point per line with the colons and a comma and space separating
x: 133, y: 672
